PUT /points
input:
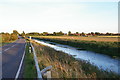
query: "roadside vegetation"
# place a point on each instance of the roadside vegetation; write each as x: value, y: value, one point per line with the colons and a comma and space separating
x: 66, y: 66
x: 8, y: 38
x: 108, y: 48
x: 29, y: 64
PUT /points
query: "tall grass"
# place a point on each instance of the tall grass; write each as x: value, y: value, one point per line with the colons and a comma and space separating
x: 108, y: 48
x: 66, y: 66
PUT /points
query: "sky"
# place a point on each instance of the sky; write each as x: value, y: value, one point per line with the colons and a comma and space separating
x: 59, y: 15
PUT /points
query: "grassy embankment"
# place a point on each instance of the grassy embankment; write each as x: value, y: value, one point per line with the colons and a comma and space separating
x: 66, y: 66
x: 29, y: 64
x: 108, y: 48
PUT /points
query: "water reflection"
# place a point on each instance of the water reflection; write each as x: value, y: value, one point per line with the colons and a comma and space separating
x: 102, y: 61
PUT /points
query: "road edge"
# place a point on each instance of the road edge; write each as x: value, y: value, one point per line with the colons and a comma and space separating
x: 20, y: 66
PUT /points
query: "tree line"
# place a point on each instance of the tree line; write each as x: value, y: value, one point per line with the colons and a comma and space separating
x: 14, y: 35
x: 71, y: 34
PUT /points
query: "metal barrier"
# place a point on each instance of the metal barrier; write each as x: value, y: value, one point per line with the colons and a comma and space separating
x: 45, y: 72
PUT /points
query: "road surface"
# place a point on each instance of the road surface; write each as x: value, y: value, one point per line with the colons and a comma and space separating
x: 11, y: 58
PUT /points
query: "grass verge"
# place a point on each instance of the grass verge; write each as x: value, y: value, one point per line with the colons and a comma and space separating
x: 29, y: 67
x: 66, y: 66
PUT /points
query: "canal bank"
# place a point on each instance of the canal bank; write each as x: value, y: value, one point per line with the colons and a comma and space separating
x: 65, y: 63
x: 108, y: 48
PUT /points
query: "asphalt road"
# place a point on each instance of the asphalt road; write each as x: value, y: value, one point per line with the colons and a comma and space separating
x: 11, y: 58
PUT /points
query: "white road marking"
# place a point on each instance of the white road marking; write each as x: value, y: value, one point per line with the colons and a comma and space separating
x: 14, y: 45
x: 6, y: 49
x: 10, y: 47
x: 18, y: 72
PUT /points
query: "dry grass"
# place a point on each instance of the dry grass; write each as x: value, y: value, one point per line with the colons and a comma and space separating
x: 59, y: 68
x: 103, y: 39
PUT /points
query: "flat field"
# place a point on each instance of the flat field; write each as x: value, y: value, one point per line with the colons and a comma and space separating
x: 96, y: 38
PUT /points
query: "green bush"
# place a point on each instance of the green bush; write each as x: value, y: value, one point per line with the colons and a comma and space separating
x: 6, y: 37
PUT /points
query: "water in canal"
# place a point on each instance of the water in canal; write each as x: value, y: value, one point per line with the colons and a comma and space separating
x: 101, y: 61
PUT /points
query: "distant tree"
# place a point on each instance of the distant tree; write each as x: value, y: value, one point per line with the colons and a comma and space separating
x: 13, y: 37
x: 33, y: 34
x: 77, y: 32
x: 83, y: 34
x: 23, y: 33
x: 69, y: 33
x: 15, y: 32
x: 92, y: 33
x: 60, y: 33
x: 45, y: 33
x: 108, y: 33
x: 2, y: 33
x: 97, y: 33
x: 54, y: 33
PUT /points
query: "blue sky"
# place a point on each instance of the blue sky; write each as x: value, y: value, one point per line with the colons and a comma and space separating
x: 59, y: 15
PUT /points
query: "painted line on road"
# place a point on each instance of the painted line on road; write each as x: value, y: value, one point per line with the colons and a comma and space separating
x: 6, y: 49
x: 18, y: 72
x: 14, y: 45
x: 10, y: 47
